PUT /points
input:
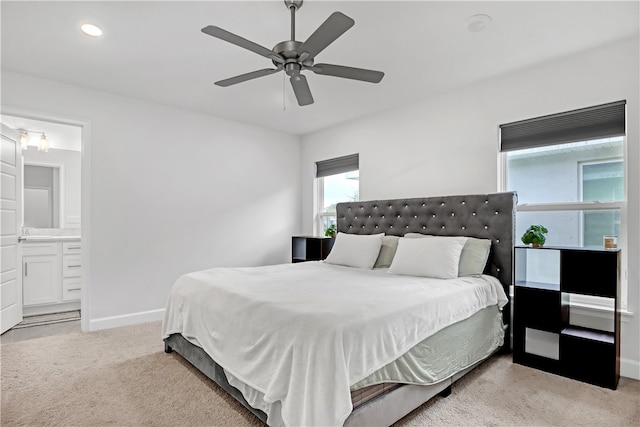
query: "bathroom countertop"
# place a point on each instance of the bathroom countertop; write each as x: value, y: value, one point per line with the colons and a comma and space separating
x: 41, y: 239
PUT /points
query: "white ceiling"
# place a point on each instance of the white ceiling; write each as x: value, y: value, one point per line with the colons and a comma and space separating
x: 154, y: 50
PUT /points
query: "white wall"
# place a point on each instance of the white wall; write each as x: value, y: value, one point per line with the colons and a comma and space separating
x: 71, y: 165
x: 449, y: 144
x: 171, y: 192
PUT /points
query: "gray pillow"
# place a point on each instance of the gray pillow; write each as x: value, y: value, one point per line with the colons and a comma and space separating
x: 387, y: 251
x: 473, y: 258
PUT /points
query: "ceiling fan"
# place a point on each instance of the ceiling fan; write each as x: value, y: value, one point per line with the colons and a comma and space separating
x: 293, y: 56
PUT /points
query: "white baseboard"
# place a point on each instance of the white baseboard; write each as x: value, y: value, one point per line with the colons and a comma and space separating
x: 629, y: 368
x: 126, y: 319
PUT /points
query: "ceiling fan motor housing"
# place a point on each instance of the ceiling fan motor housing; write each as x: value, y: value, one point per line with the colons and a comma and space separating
x: 289, y: 51
x: 293, y: 3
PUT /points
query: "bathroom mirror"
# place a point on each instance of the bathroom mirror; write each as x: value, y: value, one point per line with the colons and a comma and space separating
x: 41, y: 196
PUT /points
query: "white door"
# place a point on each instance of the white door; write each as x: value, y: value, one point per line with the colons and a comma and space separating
x: 10, y: 224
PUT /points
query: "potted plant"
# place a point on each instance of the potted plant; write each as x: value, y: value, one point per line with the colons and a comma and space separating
x: 535, y: 235
x: 330, y: 231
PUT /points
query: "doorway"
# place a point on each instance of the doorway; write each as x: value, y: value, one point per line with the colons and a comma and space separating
x: 54, y: 209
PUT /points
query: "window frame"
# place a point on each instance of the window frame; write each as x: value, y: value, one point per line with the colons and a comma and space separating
x: 319, y: 214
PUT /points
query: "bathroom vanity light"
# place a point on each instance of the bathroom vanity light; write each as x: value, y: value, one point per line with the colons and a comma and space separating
x: 43, y: 143
x: 24, y: 136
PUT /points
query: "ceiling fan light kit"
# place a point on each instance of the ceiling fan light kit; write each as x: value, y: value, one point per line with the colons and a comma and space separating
x: 292, y: 56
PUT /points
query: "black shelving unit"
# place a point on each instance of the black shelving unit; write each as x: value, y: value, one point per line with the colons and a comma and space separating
x: 541, y: 308
x: 310, y: 248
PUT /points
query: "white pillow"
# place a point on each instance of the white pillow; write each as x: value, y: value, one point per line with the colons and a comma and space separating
x: 355, y: 250
x: 436, y: 257
x: 473, y: 258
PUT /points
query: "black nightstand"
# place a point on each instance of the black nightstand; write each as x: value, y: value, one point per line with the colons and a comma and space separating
x: 543, y: 338
x: 310, y: 248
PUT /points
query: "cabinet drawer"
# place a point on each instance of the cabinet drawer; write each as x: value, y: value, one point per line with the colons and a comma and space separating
x: 71, y: 265
x: 71, y: 248
x: 40, y: 248
x: 71, y: 289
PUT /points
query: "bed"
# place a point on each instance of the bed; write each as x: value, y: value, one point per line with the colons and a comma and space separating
x: 321, y: 343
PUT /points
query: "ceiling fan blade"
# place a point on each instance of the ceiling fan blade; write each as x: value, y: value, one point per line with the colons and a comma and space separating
x: 248, y: 76
x: 225, y: 35
x: 347, y: 72
x: 327, y: 33
x: 301, y: 89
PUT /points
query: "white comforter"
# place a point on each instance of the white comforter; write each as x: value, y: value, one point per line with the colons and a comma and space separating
x: 303, y: 333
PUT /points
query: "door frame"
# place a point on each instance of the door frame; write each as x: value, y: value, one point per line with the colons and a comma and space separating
x: 85, y: 194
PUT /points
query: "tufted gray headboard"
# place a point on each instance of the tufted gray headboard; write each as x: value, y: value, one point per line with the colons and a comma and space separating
x: 486, y: 216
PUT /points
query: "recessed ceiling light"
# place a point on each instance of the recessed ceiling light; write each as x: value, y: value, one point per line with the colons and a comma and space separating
x: 91, y: 30
x: 477, y: 23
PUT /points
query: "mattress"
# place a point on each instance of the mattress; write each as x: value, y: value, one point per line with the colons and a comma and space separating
x: 300, y: 335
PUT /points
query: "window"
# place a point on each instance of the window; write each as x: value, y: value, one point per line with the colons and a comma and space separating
x: 576, y: 190
x: 569, y: 172
x: 338, y: 180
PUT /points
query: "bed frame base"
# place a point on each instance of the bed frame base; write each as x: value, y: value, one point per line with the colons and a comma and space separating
x: 382, y: 411
x: 201, y: 361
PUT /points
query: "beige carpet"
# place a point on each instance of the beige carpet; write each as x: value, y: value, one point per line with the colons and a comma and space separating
x: 122, y: 377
